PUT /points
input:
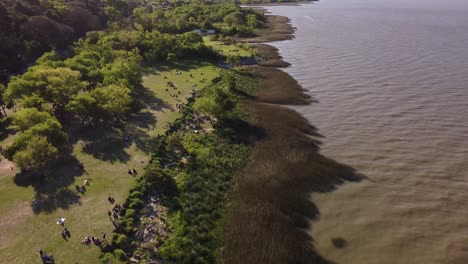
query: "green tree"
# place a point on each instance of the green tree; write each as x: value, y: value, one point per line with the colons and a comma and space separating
x: 85, y: 106
x: 234, y: 19
x: 124, y: 70
x: 55, y: 85
x: 88, y: 63
x: 113, y: 99
x: 2, y: 101
x: 27, y: 118
x: 219, y: 104
x: 32, y: 123
x: 37, y: 155
x: 62, y: 85
x: 252, y: 21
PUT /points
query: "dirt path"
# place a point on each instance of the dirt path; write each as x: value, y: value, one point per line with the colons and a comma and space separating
x: 5, y: 167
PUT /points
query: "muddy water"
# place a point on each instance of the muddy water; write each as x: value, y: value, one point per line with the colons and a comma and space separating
x: 391, y: 80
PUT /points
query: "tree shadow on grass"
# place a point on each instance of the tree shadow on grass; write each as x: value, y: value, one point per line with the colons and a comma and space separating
x: 143, y: 141
x: 103, y: 141
x: 149, y: 100
x: 4, y: 130
x: 48, y: 203
x: 51, y: 190
x: 110, y: 148
x: 108, y: 143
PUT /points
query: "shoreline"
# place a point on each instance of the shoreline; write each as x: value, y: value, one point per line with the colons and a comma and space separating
x: 279, y: 28
x: 271, y: 207
x: 261, y: 5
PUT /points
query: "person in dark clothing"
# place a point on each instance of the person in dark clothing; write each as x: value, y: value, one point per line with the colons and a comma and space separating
x: 67, y: 232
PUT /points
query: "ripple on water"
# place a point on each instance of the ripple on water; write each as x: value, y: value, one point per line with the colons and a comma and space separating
x: 392, y: 87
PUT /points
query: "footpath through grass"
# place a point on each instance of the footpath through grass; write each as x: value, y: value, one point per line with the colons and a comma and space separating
x: 106, y: 157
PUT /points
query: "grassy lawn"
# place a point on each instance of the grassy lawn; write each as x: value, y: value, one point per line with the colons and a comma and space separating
x: 106, y: 158
x: 230, y: 50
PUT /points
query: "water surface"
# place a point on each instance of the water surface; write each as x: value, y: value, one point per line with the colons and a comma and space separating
x: 391, y: 78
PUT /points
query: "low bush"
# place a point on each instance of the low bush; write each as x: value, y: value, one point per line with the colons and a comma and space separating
x: 120, y: 254
x: 106, y: 258
x: 136, y: 204
x: 121, y: 241
x: 136, y: 194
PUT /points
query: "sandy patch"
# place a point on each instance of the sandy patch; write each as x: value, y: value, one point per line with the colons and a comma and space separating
x: 5, y: 167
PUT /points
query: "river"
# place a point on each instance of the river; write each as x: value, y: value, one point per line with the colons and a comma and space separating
x: 391, y: 82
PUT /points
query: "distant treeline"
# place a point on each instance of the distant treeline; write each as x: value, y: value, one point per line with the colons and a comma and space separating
x: 99, y: 78
x: 270, y: 1
x: 28, y: 28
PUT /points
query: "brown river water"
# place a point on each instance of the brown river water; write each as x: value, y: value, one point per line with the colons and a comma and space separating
x: 391, y: 81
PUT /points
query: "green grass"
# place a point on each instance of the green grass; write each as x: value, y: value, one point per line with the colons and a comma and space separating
x: 106, y: 158
x: 240, y: 50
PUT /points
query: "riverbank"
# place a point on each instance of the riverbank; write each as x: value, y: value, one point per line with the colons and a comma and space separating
x: 270, y: 206
x: 278, y: 28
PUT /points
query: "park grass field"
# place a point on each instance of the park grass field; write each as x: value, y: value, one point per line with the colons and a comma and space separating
x: 240, y: 50
x: 106, y: 157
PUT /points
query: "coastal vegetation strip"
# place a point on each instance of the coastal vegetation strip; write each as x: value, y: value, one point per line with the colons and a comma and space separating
x: 95, y: 112
x: 176, y: 174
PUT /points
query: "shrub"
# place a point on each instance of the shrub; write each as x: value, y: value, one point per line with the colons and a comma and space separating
x: 136, y: 194
x: 136, y: 204
x: 130, y: 213
x: 121, y: 241
x: 120, y: 254
x: 128, y: 225
x: 106, y: 258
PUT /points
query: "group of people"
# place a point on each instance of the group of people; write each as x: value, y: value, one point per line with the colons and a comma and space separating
x: 181, y: 107
x: 46, y: 258
x: 80, y: 189
x: 111, y: 199
x: 174, y: 95
x: 94, y: 240
x: 115, y: 211
x: 132, y: 172
x: 66, y: 234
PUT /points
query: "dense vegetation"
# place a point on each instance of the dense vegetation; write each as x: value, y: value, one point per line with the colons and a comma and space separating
x: 28, y: 28
x: 100, y: 79
x: 196, y: 189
